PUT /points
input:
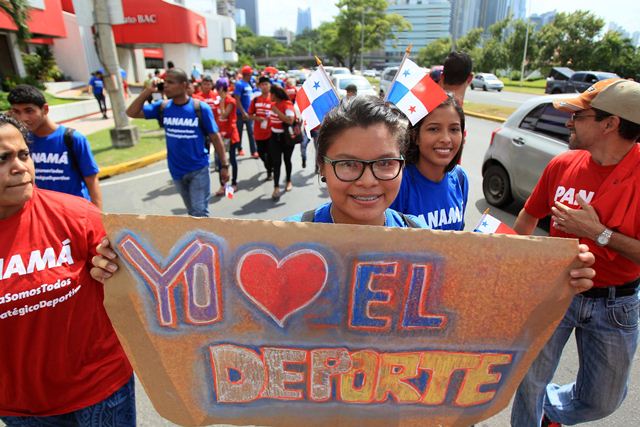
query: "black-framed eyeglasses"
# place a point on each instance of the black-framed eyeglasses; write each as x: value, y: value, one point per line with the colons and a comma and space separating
x: 349, y: 170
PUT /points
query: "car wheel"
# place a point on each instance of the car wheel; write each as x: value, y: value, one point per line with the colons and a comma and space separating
x: 496, y: 186
x: 499, y: 90
x: 484, y: 88
x: 472, y: 88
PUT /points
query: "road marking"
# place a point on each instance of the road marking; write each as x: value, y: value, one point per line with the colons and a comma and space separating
x: 133, y: 178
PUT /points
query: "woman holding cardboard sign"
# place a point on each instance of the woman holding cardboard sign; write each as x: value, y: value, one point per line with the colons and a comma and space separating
x: 62, y: 362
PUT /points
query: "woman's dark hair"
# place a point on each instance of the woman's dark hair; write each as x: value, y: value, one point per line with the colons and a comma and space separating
x: 278, y: 92
x: 6, y: 119
x: 360, y: 111
x: 627, y: 129
x: 413, y: 152
x: 26, y: 94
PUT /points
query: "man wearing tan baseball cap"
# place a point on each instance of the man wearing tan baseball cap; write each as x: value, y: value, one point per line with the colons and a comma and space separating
x: 592, y: 193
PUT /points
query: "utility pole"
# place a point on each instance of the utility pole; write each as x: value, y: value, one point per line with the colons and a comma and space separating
x: 524, y: 56
x: 124, y: 134
x: 362, y: 41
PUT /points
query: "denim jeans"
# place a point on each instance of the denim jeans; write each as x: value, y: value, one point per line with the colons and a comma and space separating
x: 117, y: 410
x: 606, y: 332
x: 195, y: 190
x: 252, y: 142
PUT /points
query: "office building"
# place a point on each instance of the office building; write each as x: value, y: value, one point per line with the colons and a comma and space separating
x: 250, y: 8
x: 464, y: 17
x: 304, y: 20
x: 429, y: 19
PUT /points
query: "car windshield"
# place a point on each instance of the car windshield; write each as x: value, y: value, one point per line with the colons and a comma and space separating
x: 341, y: 71
x: 361, y: 84
x: 490, y: 77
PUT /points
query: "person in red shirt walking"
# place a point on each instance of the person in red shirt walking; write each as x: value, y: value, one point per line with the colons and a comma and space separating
x: 227, y: 122
x: 291, y: 89
x: 259, y: 112
x: 281, y: 112
x: 62, y: 363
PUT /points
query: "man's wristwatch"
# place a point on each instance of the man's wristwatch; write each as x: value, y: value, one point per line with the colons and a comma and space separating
x: 603, y: 238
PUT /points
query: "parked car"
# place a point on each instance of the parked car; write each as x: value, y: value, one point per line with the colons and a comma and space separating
x: 577, y: 82
x: 486, y: 81
x: 521, y: 148
x: 369, y: 73
x: 339, y: 70
x: 341, y: 81
x: 299, y: 75
x: 386, y: 78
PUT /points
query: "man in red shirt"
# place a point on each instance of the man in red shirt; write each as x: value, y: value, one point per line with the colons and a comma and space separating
x: 593, y: 194
x: 209, y: 95
x: 259, y: 112
x: 62, y: 363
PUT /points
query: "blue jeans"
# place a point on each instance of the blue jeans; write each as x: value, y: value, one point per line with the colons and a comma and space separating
x: 195, y: 190
x: 117, y: 410
x: 252, y: 142
x: 606, y: 332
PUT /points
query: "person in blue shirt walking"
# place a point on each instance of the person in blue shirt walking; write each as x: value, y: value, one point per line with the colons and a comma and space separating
x: 96, y: 83
x: 434, y: 187
x: 187, y: 134
x: 62, y: 156
x: 243, y: 93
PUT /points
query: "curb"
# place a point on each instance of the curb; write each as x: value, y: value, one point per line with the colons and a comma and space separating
x: 132, y: 165
x: 485, y: 116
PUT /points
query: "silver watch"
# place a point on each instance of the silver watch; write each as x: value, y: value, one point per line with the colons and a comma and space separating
x: 603, y: 238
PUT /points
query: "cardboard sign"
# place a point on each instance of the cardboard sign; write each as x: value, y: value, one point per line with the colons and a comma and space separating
x: 287, y: 324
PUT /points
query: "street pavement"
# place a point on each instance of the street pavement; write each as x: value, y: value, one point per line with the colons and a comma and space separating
x: 150, y: 191
x: 503, y: 99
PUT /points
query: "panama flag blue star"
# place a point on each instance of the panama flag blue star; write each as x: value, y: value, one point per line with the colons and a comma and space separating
x: 316, y: 85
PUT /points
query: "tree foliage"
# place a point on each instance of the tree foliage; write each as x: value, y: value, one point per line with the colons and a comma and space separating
x: 434, y: 53
x: 341, y: 40
x: 19, y: 13
x: 253, y: 46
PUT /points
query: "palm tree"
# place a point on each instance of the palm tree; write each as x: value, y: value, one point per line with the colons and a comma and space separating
x: 18, y: 10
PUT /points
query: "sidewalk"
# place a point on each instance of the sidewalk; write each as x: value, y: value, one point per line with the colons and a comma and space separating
x: 90, y: 124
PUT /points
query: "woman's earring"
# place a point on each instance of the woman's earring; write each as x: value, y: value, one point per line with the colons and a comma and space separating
x: 323, y: 179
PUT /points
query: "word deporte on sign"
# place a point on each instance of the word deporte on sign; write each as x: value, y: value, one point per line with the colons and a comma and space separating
x: 386, y: 292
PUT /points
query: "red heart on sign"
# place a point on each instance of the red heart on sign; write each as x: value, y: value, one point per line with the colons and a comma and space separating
x: 281, y: 288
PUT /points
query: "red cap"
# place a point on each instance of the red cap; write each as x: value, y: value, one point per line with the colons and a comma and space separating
x: 246, y: 70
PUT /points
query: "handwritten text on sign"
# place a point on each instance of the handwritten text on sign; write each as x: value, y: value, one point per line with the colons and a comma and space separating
x: 287, y: 324
x: 387, y: 293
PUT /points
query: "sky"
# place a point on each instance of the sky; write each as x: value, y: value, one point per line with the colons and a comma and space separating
x: 275, y: 14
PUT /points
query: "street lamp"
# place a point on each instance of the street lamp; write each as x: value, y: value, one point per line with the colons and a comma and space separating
x: 362, y: 41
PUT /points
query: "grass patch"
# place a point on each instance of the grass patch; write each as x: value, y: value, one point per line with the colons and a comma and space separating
x: 491, y: 110
x: 51, y: 100
x: 151, y: 141
x: 535, y: 87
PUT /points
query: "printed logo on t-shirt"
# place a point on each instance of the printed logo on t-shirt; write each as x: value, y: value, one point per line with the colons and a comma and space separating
x: 187, y: 127
x: 441, y: 217
x: 569, y: 196
x: 38, y: 260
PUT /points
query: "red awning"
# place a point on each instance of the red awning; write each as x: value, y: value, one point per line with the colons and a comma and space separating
x: 42, y: 23
x: 157, y: 53
x: 156, y: 21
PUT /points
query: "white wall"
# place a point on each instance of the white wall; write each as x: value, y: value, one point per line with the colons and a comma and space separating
x: 70, y: 52
x: 182, y: 55
x: 219, y: 28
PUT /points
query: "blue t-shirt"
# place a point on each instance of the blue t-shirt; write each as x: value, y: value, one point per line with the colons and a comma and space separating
x: 441, y: 205
x: 392, y: 218
x: 97, y: 85
x: 186, y: 149
x: 55, y: 169
x: 245, y: 91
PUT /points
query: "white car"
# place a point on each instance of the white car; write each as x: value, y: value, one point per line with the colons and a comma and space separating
x: 487, y: 81
x: 369, y: 73
x: 521, y: 148
x: 386, y: 78
x: 339, y: 70
x: 341, y: 81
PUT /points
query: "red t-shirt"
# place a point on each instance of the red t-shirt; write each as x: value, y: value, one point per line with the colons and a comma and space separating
x: 286, y: 108
x: 292, y: 91
x: 575, y: 173
x: 229, y: 126
x: 213, y: 99
x: 261, y: 106
x: 59, y: 350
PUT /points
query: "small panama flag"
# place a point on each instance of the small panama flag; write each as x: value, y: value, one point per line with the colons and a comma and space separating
x: 228, y: 191
x: 413, y: 91
x: 316, y: 98
x: 491, y: 225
